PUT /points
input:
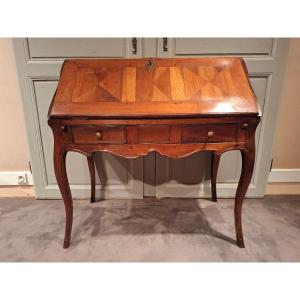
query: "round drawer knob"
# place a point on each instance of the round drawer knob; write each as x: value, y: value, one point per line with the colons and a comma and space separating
x: 210, y: 133
x: 99, y: 135
x: 244, y: 126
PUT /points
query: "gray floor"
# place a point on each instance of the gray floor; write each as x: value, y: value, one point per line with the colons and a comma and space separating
x: 185, y: 230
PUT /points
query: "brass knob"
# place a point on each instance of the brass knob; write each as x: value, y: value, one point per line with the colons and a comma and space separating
x: 244, y: 126
x: 210, y: 133
x: 99, y: 135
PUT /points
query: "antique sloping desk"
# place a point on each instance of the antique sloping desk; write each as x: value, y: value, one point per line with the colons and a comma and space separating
x: 176, y: 107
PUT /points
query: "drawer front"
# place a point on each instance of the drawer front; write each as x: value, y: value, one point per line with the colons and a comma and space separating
x: 153, y: 134
x: 211, y: 133
x: 99, y: 134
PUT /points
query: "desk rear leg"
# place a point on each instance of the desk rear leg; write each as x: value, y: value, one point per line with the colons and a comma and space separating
x: 214, y: 171
x: 91, y: 164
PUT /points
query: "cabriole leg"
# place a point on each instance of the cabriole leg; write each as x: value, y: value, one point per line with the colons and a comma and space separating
x: 62, y: 181
x: 248, y: 157
x: 91, y: 164
x: 214, y: 171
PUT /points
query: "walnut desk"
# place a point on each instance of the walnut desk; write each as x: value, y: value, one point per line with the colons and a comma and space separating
x: 175, y: 107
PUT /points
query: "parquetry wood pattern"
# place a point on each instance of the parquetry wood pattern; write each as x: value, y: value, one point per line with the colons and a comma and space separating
x: 175, y: 107
x: 168, y: 87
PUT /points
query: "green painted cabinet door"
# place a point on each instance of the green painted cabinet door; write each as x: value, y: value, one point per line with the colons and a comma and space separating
x: 39, y: 61
x: 265, y: 59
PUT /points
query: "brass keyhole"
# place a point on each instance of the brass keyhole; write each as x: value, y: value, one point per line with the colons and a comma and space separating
x: 150, y: 64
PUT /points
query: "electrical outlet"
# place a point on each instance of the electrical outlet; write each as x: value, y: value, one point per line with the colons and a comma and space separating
x: 22, y: 180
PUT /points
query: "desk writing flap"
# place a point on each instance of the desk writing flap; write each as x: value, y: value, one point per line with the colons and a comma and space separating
x: 153, y: 88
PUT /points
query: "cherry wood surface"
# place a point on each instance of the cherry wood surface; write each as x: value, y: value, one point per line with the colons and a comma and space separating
x: 175, y: 107
x: 98, y: 134
x: 153, y: 88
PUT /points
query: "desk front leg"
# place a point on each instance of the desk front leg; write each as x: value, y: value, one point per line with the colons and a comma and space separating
x: 248, y: 158
x: 63, y: 183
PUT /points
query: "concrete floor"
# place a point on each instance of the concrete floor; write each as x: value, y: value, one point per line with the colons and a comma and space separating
x: 187, y: 230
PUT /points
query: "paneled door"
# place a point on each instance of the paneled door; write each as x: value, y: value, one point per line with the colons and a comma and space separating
x: 265, y: 59
x: 39, y: 61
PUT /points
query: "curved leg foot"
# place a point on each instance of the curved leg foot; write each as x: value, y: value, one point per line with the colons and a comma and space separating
x: 66, y: 244
x: 214, y: 171
x: 62, y: 181
x: 248, y: 157
x: 91, y: 164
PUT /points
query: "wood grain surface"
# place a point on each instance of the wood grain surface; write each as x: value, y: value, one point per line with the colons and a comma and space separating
x: 169, y: 87
x: 175, y: 107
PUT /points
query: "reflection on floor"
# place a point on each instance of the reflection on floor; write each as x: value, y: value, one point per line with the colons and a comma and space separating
x: 150, y: 230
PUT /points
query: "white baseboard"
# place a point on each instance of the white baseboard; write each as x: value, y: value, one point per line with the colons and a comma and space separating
x: 16, y: 178
x: 284, y: 175
x: 13, y: 177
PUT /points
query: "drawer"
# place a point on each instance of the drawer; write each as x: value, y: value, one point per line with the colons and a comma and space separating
x: 99, y: 134
x: 211, y: 133
x: 153, y: 134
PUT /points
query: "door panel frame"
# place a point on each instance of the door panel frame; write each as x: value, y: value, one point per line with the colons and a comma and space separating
x: 152, y: 170
x: 270, y: 66
x: 48, y: 70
